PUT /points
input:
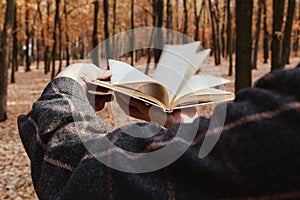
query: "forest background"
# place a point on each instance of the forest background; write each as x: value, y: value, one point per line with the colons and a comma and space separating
x: 38, y: 38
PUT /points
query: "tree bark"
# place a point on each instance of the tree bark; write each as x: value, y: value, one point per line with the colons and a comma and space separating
x: 106, y: 29
x: 60, y: 46
x: 277, y: 35
x: 286, y: 49
x: 67, y: 35
x: 185, y: 21
x: 15, y: 47
x: 169, y: 24
x: 243, y: 44
x: 116, y: 48
x: 158, y: 12
x: 229, y: 37
x: 28, y: 37
x: 266, y: 34
x: 8, y: 24
x: 132, y: 39
x: 257, y: 34
x: 203, y: 10
x: 215, y: 33
x: 197, y: 20
x: 47, y: 48
x: 95, y: 52
x: 56, y: 21
x: 297, y: 35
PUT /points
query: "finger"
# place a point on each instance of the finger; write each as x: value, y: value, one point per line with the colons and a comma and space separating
x: 129, y: 106
x: 92, y: 88
x: 139, y: 104
x: 100, y: 101
x: 105, y: 75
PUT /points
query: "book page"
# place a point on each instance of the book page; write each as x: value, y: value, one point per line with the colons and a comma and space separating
x: 202, y: 97
x: 199, y: 82
x: 123, y: 73
x: 152, y: 93
x: 177, y: 63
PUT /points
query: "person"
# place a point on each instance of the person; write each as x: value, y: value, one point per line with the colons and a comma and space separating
x: 256, y: 156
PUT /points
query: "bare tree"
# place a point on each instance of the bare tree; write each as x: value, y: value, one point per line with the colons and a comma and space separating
x: 257, y: 33
x: 297, y: 34
x: 28, y: 50
x: 158, y: 11
x: 185, y: 20
x: 56, y: 21
x: 266, y: 34
x: 46, y: 45
x: 67, y: 34
x: 95, y: 52
x: 169, y: 24
x: 106, y: 29
x: 132, y: 39
x: 7, y: 27
x: 243, y: 44
x: 277, y: 35
x: 215, y: 31
x: 286, y: 48
x: 15, y: 47
x: 229, y: 37
x: 197, y: 15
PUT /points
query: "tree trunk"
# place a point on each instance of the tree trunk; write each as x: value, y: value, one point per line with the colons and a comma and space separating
x: 60, y: 46
x: 114, y: 17
x: 28, y: 37
x: 132, y: 39
x: 286, y: 49
x: 47, y: 48
x: 257, y: 34
x: 243, y: 44
x: 177, y: 15
x: 297, y: 34
x: 185, y: 21
x: 38, y: 42
x: 67, y: 35
x: 106, y: 29
x: 169, y: 24
x: 203, y: 10
x: 95, y: 52
x: 277, y: 35
x: 15, y: 47
x: 197, y: 20
x: 116, y: 49
x: 229, y: 37
x: 8, y: 23
x: 215, y: 32
x: 223, y: 46
x: 158, y: 12
x: 56, y: 21
x: 218, y: 34
x: 266, y: 34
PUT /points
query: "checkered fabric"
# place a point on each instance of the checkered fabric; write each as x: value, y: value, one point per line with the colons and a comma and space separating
x: 256, y: 156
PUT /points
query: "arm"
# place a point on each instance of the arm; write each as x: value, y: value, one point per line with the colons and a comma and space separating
x: 256, y: 155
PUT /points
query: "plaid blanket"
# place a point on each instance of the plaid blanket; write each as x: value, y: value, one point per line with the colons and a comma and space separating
x: 257, y: 154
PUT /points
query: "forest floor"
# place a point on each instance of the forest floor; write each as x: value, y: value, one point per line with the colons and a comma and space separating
x: 15, y: 175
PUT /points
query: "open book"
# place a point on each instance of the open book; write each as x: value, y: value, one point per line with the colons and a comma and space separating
x: 174, y: 84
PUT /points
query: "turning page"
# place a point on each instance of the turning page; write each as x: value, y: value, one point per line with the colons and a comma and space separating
x: 177, y: 64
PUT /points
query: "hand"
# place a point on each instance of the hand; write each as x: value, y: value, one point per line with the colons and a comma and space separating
x: 84, y: 74
x: 140, y: 110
